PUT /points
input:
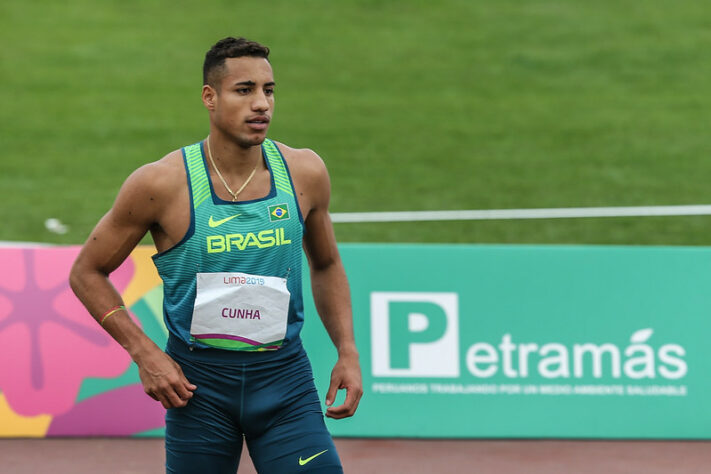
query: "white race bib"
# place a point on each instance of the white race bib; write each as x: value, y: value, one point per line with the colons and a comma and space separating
x: 241, y: 312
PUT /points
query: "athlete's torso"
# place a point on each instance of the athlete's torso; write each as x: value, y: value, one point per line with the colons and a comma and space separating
x: 259, y: 237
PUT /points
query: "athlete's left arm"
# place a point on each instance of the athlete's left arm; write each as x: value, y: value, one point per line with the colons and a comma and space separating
x: 329, y: 284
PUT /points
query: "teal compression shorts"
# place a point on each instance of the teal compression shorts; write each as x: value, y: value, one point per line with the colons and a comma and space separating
x: 269, y: 399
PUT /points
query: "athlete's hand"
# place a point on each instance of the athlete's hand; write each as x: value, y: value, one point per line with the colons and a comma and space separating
x: 163, y: 379
x: 345, y: 375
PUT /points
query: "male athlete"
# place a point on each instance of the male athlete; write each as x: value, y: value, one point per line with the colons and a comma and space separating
x: 229, y: 216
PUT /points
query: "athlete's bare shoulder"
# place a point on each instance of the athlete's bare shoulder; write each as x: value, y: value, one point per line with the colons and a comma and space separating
x: 151, y: 188
x: 159, y: 177
x: 168, y: 172
x: 304, y: 164
x: 310, y: 177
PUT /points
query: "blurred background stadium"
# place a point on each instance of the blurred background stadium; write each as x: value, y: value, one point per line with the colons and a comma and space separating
x: 414, y: 106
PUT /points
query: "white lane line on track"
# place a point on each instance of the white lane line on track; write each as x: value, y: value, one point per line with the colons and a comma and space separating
x: 553, y: 213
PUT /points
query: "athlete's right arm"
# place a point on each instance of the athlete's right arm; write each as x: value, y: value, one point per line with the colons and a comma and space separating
x: 137, y: 209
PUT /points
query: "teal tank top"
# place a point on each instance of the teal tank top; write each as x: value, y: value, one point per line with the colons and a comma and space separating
x: 258, y: 237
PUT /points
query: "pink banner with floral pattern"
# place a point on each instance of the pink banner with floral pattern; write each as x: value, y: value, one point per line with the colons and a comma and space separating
x: 60, y: 373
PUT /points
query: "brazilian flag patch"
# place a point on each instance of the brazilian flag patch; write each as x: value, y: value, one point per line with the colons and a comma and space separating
x: 280, y: 212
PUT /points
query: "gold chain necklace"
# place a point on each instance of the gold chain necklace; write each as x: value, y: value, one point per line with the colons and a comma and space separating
x: 219, y: 175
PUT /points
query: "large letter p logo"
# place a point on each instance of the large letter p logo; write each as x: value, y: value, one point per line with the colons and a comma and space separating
x: 414, y: 334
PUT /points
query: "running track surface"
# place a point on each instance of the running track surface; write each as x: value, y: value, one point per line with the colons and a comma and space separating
x: 387, y: 456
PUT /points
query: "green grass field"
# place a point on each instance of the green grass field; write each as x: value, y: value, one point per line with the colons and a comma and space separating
x: 414, y: 105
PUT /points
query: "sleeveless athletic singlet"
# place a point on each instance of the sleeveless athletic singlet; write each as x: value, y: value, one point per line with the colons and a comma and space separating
x: 259, y: 238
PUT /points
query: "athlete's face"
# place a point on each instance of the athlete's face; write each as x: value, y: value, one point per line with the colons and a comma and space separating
x: 243, y: 105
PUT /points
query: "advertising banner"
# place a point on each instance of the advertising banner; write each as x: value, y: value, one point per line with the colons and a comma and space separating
x: 61, y: 374
x: 527, y: 341
x: 455, y: 341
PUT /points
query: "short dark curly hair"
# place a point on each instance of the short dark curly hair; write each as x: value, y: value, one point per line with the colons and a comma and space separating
x: 214, y: 66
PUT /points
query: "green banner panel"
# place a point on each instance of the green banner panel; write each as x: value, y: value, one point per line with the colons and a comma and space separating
x: 526, y: 341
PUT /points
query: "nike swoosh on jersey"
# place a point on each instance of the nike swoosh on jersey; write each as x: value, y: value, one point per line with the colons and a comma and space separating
x: 304, y: 461
x: 213, y: 223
